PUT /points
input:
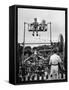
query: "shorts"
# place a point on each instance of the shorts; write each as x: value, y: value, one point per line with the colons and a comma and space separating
x: 54, y: 69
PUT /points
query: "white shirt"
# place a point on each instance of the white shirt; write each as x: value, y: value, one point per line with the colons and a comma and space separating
x: 55, y: 59
x: 35, y: 52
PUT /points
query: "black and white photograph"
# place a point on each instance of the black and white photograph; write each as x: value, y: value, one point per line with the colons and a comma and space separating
x: 41, y: 45
x: 34, y: 52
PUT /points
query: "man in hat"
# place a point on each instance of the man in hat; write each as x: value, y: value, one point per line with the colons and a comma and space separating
x: 43, y: 26
x: 35, y: 26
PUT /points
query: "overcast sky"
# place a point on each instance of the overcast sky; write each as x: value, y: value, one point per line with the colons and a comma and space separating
x: 56, y: 17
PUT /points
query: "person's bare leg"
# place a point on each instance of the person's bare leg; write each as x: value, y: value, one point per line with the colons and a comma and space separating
x: 33, y: 33
x: 36, y: 32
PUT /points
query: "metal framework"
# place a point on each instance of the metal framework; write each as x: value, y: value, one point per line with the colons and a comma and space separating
x: 38, y: 31
x: 35, y: 31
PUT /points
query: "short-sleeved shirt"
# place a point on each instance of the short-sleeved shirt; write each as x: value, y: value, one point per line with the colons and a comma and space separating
x: 54, y: 59
x: 35, y: 24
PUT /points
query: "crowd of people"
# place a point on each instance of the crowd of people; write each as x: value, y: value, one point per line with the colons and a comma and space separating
x: 34, y: 63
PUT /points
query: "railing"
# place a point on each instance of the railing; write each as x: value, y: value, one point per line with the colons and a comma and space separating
x: 45, y: 78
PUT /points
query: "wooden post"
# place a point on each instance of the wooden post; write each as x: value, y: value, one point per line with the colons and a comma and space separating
x: 24, y: 33
x: 50, y: 34
x: 23, y: 43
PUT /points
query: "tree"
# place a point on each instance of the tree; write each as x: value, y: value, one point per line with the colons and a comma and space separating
x: 61, y: 43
